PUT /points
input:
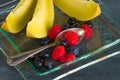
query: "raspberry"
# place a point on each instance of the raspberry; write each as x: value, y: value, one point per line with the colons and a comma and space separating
x: 67, y: 57
x: 54, y: 31
x: 88, y: 31
x: 58, y: 52
x: 71, y: 37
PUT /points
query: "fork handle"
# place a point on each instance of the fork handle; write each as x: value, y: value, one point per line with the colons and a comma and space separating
x: 14, y: 60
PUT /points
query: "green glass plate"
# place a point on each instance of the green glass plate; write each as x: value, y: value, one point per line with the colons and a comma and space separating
x: 106, y: 35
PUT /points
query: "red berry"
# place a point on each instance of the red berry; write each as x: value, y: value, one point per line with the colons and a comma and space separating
x: 71, y: 37
x: 58, y: 52
x: 88, y: 31
x: 67, y: 57
x: 54, y: 31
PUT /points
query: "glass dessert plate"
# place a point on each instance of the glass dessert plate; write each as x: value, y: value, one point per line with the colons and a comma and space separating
x: 106, y: 34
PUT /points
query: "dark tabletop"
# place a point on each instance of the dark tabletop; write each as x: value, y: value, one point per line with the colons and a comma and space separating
x: 106, y: 70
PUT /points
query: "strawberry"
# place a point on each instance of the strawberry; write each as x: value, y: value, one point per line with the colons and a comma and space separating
x: 67, y: 57
x: 58, y: 52
x: 71, y: 37
x: 54, y: 31
x: 88, y: 31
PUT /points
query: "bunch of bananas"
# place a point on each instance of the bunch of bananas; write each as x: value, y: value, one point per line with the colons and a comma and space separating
x: 38, y: 15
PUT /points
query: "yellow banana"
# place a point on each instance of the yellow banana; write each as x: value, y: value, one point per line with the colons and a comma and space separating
x: 19, y: 16
x: 82, y: 10
x: 42, y: 20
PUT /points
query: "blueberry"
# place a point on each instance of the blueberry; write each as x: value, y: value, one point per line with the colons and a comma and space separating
x: 41, y: 60
x: 44, y: 54
x: 48, y: 63
x: 64, y: 43
x: 38, y: 63
x: 77, y: 25
x: 32, y: 58
x: 45, y: 41
x: 89, y: 23
x: 72, y: 21
x: 73, y: 49
x: 65, y: 26
x: 47, y: 55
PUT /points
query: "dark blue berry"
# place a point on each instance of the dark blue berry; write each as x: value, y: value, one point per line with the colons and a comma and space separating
x: 48, y: 63
x: 44, y: 54
x: 64, y: 43
x: 73, y: 49
x: 89, y: 23
x: 38, y: 63
x: 77, y: 25
x: 65, y: 26
x: 45, y: 41
x: 32, y: 58
x: 41, y: 60
x: 71, y: 21
x: 47, y: 55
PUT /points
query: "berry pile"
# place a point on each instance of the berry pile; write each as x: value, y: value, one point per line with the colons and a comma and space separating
x: 66, y: 50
